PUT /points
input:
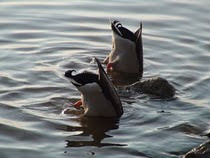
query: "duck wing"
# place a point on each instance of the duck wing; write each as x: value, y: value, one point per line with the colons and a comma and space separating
x: 109, y: 90
x: 139, y: 48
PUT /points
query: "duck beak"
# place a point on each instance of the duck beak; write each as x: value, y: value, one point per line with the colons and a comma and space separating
x: 109, y: 89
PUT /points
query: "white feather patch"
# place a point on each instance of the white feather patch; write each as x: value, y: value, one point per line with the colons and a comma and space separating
x: 75, y: 82
x: 124, y: 52
x: 115, y: 25
x: 94, y: 102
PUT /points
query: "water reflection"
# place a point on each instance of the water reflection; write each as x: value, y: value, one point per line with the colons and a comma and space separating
x: 97, y: 129
x: 121, y: 79
x: 38, y: 44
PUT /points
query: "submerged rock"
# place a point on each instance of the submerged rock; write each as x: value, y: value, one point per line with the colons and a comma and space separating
x: 203, y: 151
x: 157, y: 86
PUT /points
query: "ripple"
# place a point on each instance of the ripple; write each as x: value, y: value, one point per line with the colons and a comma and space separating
x: 40, y: 40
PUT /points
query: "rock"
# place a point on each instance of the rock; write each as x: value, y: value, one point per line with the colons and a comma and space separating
x: 157, y: 86
x: 208, y: 135
x: 203, y: 151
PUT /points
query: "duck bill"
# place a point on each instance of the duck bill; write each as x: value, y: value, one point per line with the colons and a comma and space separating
x: 109, y: 90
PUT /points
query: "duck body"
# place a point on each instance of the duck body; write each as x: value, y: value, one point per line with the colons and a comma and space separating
x: 122, y: 54
x: 156, y: 86
x: 127, y: 56
x: 127, y: 50
x: 94, y: 101
x: 98, y: 96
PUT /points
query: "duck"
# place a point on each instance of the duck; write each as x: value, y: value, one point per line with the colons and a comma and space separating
x: 127, y: 50
x: 98, y: 96
x: 127, y: 57
x: 157, y: 86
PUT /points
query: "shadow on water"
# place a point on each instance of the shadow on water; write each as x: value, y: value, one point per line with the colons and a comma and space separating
x: 96, y: 128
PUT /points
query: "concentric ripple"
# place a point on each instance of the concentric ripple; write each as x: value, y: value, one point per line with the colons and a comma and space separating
x: 42, y: 39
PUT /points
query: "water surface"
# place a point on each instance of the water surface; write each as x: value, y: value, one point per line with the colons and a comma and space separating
x: 40, y: 40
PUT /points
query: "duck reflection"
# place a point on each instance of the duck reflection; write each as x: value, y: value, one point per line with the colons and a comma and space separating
x: 97, y: 129
x: 123, y: 79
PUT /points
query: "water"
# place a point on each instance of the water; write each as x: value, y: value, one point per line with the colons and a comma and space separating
x: 42, y: 39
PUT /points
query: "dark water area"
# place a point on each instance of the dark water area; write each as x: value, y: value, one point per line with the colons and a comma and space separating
x: 40, y: 40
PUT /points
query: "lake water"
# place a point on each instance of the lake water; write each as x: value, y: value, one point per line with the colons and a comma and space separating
x: 42, y: 39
